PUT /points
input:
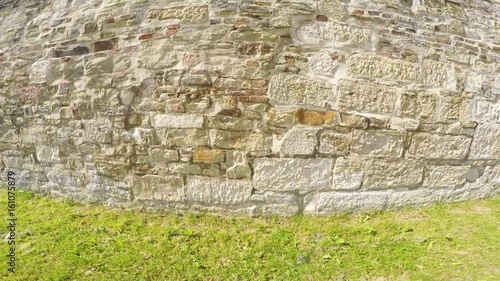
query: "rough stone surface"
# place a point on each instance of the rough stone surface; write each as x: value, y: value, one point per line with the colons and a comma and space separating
x: 212, y: 191
x: 433, y: 146
x: 253, y: 107
x: 301, y: 175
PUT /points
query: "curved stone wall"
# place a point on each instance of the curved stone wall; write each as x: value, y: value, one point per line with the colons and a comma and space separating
x: 252, y: 106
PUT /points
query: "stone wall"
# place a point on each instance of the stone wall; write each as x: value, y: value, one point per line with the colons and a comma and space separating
x: 252, y: 106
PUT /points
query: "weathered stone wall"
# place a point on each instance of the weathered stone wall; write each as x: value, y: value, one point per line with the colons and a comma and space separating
x: 252, y: 106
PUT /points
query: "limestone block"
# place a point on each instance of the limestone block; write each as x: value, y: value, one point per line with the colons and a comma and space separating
x: 139, y: 136
x: 301, y: 175
x: 445, y: 176
x: 455, y: 108
x: 282, y: 117
x: 178, y: 121
x: 183, y: 137
x: 485, y: 111
x: 420, y: 105
x: 98, y: 130
x: 393, y: 174
x: 213, y: 191
x: 294, y: 89
x: 433, y: 146
x: 370, y: 66
x: 162, y: 155
x: 326, y: 203
x: 486, y: 143
x: 153, y: 187
x: 272, y: 203
x: 98, y: 65
x: 203, y: 155
x: 39, y: 71
x: 419, y: 197
x: 323, y: 64
x: 9, y: 135
x: 186, y: 14
x: 348, y: 173
x: 59, y: 175
x: 47, y: 153
x: 158, y: 54
x: 437, y: 74
x: 299, y: 141
x: 334, y: 8
x: 334, y: 143
x: 254, y: 142
x: 38, y: 134
x: 379, y: 143
x: 184, y: 168
x: 240, y: 168
x: 366, y: 97
x: 229, y: 123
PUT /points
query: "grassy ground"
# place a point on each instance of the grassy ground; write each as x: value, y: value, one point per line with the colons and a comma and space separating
x: 69, y: 241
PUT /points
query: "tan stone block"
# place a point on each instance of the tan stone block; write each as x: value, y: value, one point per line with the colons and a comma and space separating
x: 379, y: 143
x: 381, y: 174
x: 370, y: 66
x: 433, y: 146
x: 208, y: 156
x: 366, y: 97
x: 316, y: 118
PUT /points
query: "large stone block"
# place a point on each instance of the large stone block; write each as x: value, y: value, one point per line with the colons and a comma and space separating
x: 272, y: 203
x: 213, y: 191
x: 158, y: 54
x: 183, y: 137
x: 255, y: 142
x: 380, y: 143
x: 299, y: 141
x: 301, y: 175
x: 294, y: 89
x: 39, y: 71
x: 366, y: 97
x: 437, y: 74
x: 178, y: 121
x: 418, y: 105
x: 393, y: 174
x: 370, y: 66
x: 348, y: 173
x: 326, y: 203
x: 486, y: 143
x: 419, y: 197
x: 186, y: 14
x: 98, y: 130
x: 162, y: 188
x: 433, y: 146
x: 445, y: 176
x: 47, y: 153
x: 334, y: 143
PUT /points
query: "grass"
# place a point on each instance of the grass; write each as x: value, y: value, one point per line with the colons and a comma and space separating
x: 63, y: 240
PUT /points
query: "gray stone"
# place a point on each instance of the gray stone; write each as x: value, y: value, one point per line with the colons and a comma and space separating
x: 380, y: 143
x: 446, y: 176
x: 393, y: 174
x: 301, y: 175
x: 272, y: 203
x: 212, y: 191
x: 162, y: 188
x: 326, y: 203
x: 433, y: 146
x: 348, y: 173
x: 334, y: 143
x: 299, y: 141
x: 240, y: 168
x: 178, y: 121
x: 486, y: 143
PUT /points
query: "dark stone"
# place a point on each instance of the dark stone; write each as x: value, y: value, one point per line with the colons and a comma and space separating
x: 104, y: 45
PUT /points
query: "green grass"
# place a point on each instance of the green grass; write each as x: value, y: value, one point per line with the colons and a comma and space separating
x: 68, y: 241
